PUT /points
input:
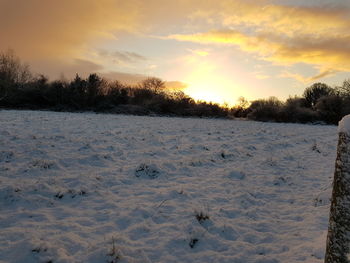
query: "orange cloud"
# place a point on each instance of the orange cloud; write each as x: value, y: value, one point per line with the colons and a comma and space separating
x: 39, y: 28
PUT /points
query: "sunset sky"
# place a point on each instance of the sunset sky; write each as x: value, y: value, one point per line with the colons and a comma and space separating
x: 213, y: 50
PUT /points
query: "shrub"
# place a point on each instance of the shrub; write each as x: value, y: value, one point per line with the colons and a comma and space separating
x: 295, y: 110
x: 265, y: 109
x: 330, y: 108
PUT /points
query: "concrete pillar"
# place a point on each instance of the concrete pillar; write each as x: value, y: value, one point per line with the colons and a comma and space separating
x: 338, y: 239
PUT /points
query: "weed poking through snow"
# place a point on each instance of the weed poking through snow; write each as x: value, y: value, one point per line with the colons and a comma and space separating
x: 113, y: 254
x: 315, y: 148
x: 193, y: 242
x: 201, y: 217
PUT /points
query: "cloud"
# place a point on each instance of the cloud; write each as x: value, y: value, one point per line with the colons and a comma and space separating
x: 175, y: 85
x: 199, y: 52
x: 133, y: 79
x: 261, y: 76
x: 54, y: 33
x: 324, y: 52
x: 56, y: 68
x: 39, y: 28
x: 307, y: 80
x: 288, y: 20
x: 57, y: 32
x: 126, y: 78
x: 121, y: 56
x: 230, y: 37
x: 282, y: 34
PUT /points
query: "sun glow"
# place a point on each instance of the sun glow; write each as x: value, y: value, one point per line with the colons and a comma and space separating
x: 207, y: 89
x: 208, y: 83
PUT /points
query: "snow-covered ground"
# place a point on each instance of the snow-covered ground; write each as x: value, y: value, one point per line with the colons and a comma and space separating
x: 111, y: 188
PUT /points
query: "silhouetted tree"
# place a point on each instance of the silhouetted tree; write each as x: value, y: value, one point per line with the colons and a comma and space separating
x: 240, y: 109
x: 12, y: 73
x: 154, y: 84
x: 78, y: 89
x: 344, y: 89
x: 95, y: 89
x: 117, y: 93
x: 316, y: 91
x: 58, y: 93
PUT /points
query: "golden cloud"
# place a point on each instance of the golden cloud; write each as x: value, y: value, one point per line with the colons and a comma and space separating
x: 231, y: 37
x: 307, y: 80
x: 175, y: 85
x: 287, y: 20
x: 285, y: 35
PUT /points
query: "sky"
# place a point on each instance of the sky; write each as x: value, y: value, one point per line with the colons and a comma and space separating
x: 213, y: 50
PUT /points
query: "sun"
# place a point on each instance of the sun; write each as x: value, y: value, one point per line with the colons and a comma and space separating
x: 206, y: 84
x: 206, y: 90
x: 211, y: 78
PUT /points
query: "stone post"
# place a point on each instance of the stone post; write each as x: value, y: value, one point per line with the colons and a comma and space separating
x: 338, y: 238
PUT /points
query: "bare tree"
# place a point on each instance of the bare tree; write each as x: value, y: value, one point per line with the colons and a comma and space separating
x: 12, y: 72
x: 154, y: 84
x: 344, y: 90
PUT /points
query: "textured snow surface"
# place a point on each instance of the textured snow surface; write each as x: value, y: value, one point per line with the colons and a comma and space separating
x: 344, y: 125
x: 113, y: 188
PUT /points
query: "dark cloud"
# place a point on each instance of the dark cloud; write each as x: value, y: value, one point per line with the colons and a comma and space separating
x: 122, y: 56
x: 56, y: 68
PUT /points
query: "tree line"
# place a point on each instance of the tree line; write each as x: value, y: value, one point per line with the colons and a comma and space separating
x: 319, y: 103
x: 20, y: 89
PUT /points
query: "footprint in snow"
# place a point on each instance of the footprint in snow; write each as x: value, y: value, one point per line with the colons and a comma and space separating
x: 147, y: 170
x: 236, y: 175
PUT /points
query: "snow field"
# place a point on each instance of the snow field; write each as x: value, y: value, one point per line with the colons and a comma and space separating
x: 111, y: 188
